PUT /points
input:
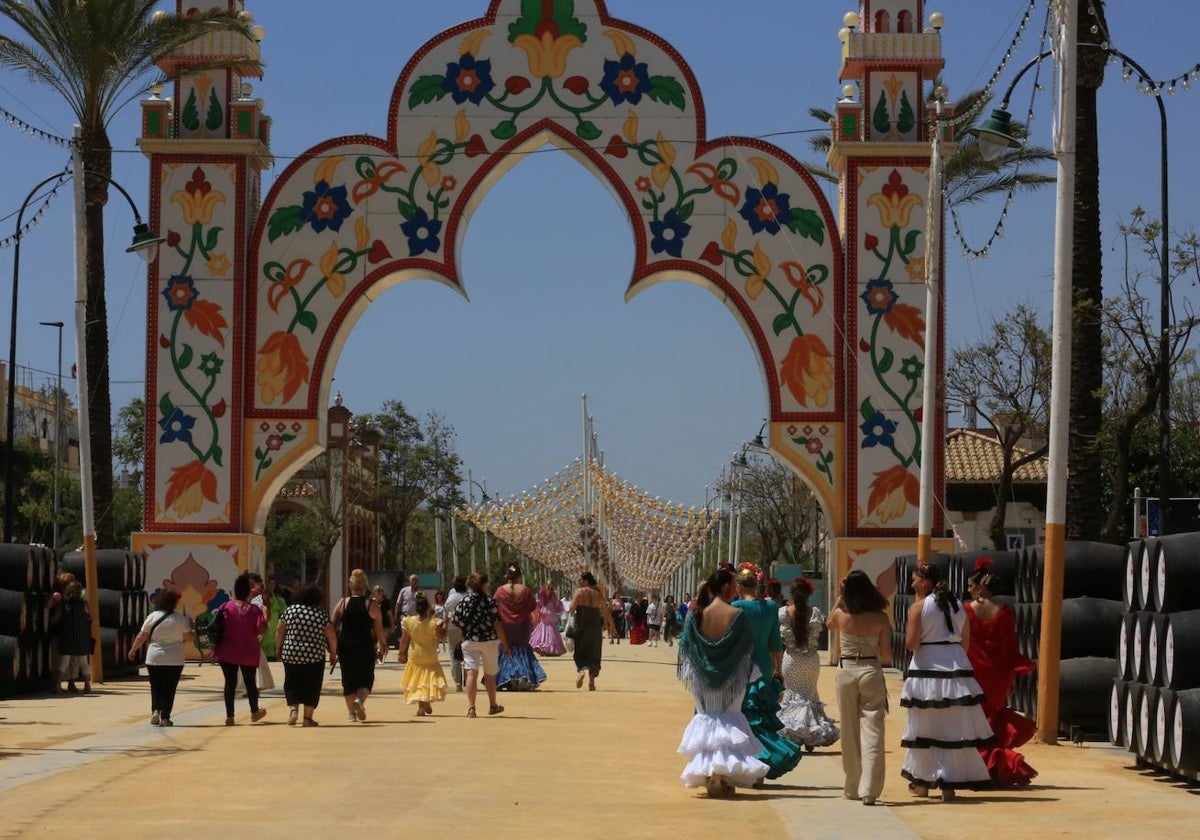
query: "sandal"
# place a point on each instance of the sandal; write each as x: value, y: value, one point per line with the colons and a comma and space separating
x: 470, y: 713
x: 918, y: 789
x: 495, y: 710
x: 579, y: 682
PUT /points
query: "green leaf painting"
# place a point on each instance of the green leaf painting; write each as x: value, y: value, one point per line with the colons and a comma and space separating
x: 285, y: 220
x: 191, y: 112
x: 216, y: 114
x: 425, y: 90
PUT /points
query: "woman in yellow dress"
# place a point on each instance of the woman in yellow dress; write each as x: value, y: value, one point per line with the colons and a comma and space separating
x: 423, y: 683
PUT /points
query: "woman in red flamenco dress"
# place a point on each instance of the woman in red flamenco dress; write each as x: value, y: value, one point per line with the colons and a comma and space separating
x: 997, y: 663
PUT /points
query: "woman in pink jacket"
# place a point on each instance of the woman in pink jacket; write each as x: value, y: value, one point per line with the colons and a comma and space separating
x: 239, y: 650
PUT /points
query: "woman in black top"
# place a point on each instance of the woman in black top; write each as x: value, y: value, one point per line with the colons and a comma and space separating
x: 360, y: 641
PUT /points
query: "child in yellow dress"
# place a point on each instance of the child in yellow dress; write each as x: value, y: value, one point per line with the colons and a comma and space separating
x: 423, y: 681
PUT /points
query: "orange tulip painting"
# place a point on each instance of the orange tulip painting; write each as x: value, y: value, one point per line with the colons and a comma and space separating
x: 282, y: 368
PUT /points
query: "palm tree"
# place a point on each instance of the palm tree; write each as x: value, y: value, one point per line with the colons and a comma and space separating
x: 968, y: 177
x: 1085, y: 512
x: 99, y: 55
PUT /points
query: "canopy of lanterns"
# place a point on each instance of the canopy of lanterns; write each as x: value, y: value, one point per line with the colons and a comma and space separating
x: 592, y: 520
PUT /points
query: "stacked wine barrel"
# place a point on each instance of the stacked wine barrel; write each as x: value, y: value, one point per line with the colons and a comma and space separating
x: 26, y: 575
x: 1092, y: 609
x: 121, y: 579
x: 1154, y: 704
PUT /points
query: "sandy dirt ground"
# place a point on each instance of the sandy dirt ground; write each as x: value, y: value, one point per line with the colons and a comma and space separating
x: 558, y: 762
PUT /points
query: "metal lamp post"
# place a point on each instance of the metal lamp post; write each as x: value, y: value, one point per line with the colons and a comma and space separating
x: 57, y: 426
x: 144, y: 243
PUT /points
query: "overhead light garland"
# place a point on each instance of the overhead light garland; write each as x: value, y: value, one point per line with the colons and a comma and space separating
x: 630, y: 535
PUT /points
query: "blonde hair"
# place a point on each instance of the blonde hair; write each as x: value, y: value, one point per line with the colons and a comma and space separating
x: 358, y: 582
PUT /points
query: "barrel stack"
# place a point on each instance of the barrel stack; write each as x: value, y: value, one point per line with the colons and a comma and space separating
x: 1092, y: 610
x: 124, y: 605
x: 1154, y: 702
x: 26, y: 577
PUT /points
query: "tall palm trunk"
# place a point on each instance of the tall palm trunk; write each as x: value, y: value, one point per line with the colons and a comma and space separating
x: 1085, y: 514
x: 97, y: 157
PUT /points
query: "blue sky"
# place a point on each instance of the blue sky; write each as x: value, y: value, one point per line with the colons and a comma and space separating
x: 670, y: 377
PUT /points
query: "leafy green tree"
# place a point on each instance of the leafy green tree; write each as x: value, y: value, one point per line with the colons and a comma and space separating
x: 129, y: 439
x: 99, y: 55
x: 781, y: 521
x: 417, y: 466
x: 1132, y: 358
x: 294, y: 537
x: 1006, y: 379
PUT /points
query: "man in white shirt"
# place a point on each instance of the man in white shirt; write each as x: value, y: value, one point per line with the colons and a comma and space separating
x: 406, y: 603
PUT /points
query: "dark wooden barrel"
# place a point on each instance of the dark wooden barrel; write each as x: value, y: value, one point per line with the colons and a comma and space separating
x: 16, y: 567
x: 12, y: 612
x: 1125, y: 646
x: 1157, y: 644
x: 1175, y: 582
x: 1162, y: 725
x: 1133, y: 559
x: 1147, y: 708
x: 1093, y: 570
x: 114, y: 568
x: 1181, y: 651
x: 1116, y: 712
x: 1185, y: 731
x: 1083, y: 692
x: 10, y: 660
x: 1143, y: 626
x: 112, y: 607
x: 1090, y: 627
x: 1133, y: 698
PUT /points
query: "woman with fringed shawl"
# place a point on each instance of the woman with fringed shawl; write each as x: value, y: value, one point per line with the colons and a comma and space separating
x: 716, y: 663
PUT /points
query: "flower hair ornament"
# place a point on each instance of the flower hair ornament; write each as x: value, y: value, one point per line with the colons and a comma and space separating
x: 983, y: 572
x: 750, y: 570
x: 805, y: 584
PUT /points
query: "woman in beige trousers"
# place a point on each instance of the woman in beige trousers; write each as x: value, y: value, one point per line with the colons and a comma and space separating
x: 864, y: 646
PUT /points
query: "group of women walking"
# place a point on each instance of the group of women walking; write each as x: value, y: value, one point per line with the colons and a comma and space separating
x: 752, y: 668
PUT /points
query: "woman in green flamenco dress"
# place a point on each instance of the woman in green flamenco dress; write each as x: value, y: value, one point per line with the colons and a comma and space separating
x: 761, y: 704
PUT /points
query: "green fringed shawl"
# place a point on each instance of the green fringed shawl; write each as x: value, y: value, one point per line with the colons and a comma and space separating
x: 716, y: 672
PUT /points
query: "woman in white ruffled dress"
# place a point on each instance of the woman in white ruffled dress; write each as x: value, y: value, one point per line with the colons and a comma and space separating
x: 716, y: 664
x: 946, y: 724
x: 801, y: 710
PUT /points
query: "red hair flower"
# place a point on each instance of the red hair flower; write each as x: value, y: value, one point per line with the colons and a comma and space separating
x: 983, y: 564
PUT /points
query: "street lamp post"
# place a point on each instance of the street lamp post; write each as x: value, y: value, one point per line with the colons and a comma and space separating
x: 58, y: 325
x: 144, y: 243
x: 472, y: 483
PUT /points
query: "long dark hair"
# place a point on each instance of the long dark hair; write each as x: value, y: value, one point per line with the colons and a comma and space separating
x: 860, y: 595
x: 946, y: 600
x: 710, y: 589
x: 801, y: 589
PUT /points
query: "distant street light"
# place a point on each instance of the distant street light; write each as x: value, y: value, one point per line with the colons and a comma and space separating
x: 58, y: 401
x: 144, y: 244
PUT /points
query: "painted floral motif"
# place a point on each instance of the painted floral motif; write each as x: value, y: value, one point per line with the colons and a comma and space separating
x: 283, y: 366
x: 896, y: 488
x: 812, y: 440
x: 198, y: 374
x: 280, y: 434
x: 547, y: 31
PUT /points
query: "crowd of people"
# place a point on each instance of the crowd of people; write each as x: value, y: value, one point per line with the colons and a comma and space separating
x: 748, y: 656
x: 753, y: 680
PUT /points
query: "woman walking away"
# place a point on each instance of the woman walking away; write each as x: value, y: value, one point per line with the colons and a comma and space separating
x: 864, y: 646
x: 670, y: 620
x: 166, y: 631
x: 519, y: 668
x: 454, y: 635
x: 423, y: 683
x: 361, y: 641
x: 801, y: 709
x: 238, y: 652
x: 479, y: 619
x: 997, y: 662
x: 545, y: 638
x: 761, y: 704
x: 946, y: 725
x: 716, y: 659
x: 654, y: 620
x: 591, y: 612
x: 304, y: 634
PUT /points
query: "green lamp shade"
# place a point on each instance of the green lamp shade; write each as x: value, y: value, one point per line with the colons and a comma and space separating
x: 995, y: 134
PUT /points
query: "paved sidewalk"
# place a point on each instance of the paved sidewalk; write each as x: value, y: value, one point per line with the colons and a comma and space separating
x: 575, y: 764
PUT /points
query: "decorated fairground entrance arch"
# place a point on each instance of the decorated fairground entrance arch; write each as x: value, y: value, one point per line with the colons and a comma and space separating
x: 251, y: 301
